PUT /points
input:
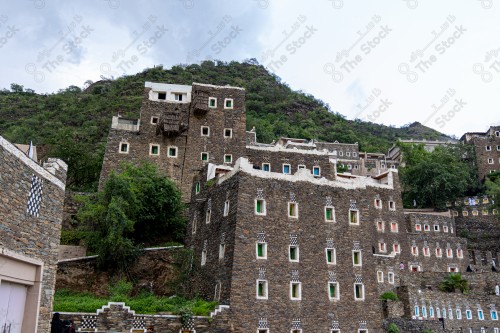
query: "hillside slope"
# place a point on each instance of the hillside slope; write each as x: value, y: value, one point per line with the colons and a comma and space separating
x: 74, y: 123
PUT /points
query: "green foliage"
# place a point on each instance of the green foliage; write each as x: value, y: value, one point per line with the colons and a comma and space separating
x: 136, y: 205
x: 74, y: 237
x: 389, y: 295
x: 492, y: 184
x: 341, y: 168
x: 120, y: 290
x: 69, y: 301
x: 74, y: 124
x: 427, y: 331
x: 453, y: 282
x: 392, y: 328
x: 434, y: 178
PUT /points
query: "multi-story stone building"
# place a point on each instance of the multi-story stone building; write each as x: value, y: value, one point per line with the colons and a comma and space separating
x: 487, y: 149
x: 31, y: 204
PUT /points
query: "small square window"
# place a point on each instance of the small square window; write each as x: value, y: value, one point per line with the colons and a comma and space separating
x: 333, y: 290
x: 154, y: 120
x: 316, y: 171
x: 301, y: 166
x: 348, y: 154
x: 458, y: 314
x: 380, y: 277
x: 486, y: 200
x: 488, y: 148
x: 359, y: 291
x: 205, y: 131
x: 392, y: 205
x: 396, y: 248
x: 228, y: 103
x: 485, y: 212
x: 197, y: 187
x: 394, y: 227
x: 228, y: 158
x: 226, y: 208
x: 260, y: 207
x: 172, y: 151
x: 262, y: 289
x: 293, y: 210
x: 418, y: 227
x: 498, y: 147
x: 465, y: 213
x: 261, y: 250
x: 222, y: 251
x: 263, y: 330
x: 497, y: 133
x: 178, y: 97
x: 212, y: 102
x: 378, y: 204
x: 341, y: 153
x: 331, y: 257
x: 295, y: 291
x: 162, y: 95
x: 475, y: 213
x: 228, y: 133
x: 356, y: 258
x: 427, y: 227
x: 286, y: 169
x: 123, y: 148
x: 293, y: 252
x: 154, y: 150
x: 390, y: 277
x: 445, y: 228
x: 439, y: 253
x: 490, y: 161
x: 436, y: 227
x: 354, y: 216
x: 382, y: 247
x: 380, y: 226
x: 329, y: 214
x: 204, y: 157
x: 266, y: 167
x: 414, y: 250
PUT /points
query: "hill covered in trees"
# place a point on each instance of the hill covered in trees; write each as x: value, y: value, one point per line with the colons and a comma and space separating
x: 73, y: 123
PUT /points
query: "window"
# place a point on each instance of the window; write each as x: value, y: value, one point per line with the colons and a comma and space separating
x: 261, y: 250
x: 195, y: 222
x: 331, y: 257
x: 208, y: 215
x: 212, y: 102
x: 396, y: 248
x: 382, y: 247
x: 480, y: 314
x: 380, y: 226
x: 443, y: 313
x: 162, y: 95
x: 123, y: 148
x: 452, y: 269
x: 261, y: 289
x: 436, y: 227
x: 172, y: 151
x: 348, y: 154
x: 359, y: 292
x: 490, y: 161
x: 226, y: 208
x: 218, y: 288
x: 426, y: 252
x: 356, y: 258
x: 228, y: 133
x: 222, y: 250
x: 228, y: 158
x: 204, y: 157
x: 458, y: 314
x: 205, y: 131
x: 266, y: 167
x: 333, y: 290
x: 263, y: 330
x: 486, y: 200
x: 497, y: 133
x: 353, y: 216
x: 414, y: 250
x: 293, y: 253
x: 488, y: 148
x: 498, y: 147
x: 354, y: 154
x: 416, y: 311
x: 460, y: 254
x: 197, y: 187
x: 380, y: 277
x: 438, y: 313
x: 228, y: 103
x: 349, y: 167
x: 427, y: 227
x: 418, y: 227
x: 286, y: 169
x: 449, y: 253
x: 154, y: 149
x: 445, y: 227
x: 301, y: 166
x: 439, y: 253
x: 316, y: 171
x: 203, y: 257
x: 450, y: 314
x: 392, y: 205
x: 485, y: 212
x: 465, y: 213
x: 378, y: 204
x: 495, y: 330
x: 341, y: 153
x: 394, y: 227
x: 178, y: 97
x: 260, y: 207
x: 431, y: 312
x: 293, y: 210
x: 390, y: 277
x: 154, y: 120
x: 468, y: 314
x: 295, y: 291
x: 424, y: 312
x: 494, y: 315
x: 329, y: 214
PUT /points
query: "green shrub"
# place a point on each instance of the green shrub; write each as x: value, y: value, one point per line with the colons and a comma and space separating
x: 120, y: 290
x: 74, y: 237
x: 453, y: 282
x: 428, y: 331
x: 389, y: 295
x: 392, y: 328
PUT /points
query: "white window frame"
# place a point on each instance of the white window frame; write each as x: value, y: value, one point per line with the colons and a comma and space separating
x: 418, y: 227
x: 377, y: 203
x: 178, y: 94
x: 460, y: 253
x: 208, y: 131
x: 439, y: 252
x: 263, y: 330
x: 230, y: 158
x: 301, y: 166
x: 120, y: 147
x: 414, y: 253
x: 230, y: 133
x: 488, y: 148
x: 176, y: 151
x: 458, y: 314
x: 153, y: 118
x: 264, y: 250
x: 427, y: 227
x: 468, y: 314
x: 296, y: 205
x: 360, y: 257
x: 336, y: 297
x: 427, y: 251
x: 449, y: 253
x: 382, y: 247
x: 299, y: 284
x: 262, y: 207
x: 480, y: 314
x: 225, y: 103
x: 362, y: 292
x: 222, y: 251
x: 297, y: 253
x: 334, y: 255
x: 436, y: 228
x: 332, y: 220
x: 380, y: 277
x: 151, y: 145
x: 390, y: 277
x: 356, y: 211
x: 201, y: 156
x: 212, y: 99
x: 268, y: 164
x: 289, y: 169
x: 496, y: 315
x: 396, y: 248
x: 381, y: 223
x: 203, y: 257
x: 445, y: 227
x: 319, y: 171
x: 491, y: 161
x: 208, y: 216
x: 194, y: 226
x: 396, y: 230
x: 265, y: 289
x: 226, y: 208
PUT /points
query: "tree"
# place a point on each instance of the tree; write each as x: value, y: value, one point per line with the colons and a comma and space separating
x: 454, y: 281
x: 16, y: 88
x: 433, y: 178
x: 492, y: 184
x: 136, y: 205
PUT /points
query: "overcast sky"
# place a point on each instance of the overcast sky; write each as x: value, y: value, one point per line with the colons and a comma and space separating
x: 389, y: 61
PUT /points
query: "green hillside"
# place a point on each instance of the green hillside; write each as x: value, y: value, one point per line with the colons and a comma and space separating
x: 73, y: 124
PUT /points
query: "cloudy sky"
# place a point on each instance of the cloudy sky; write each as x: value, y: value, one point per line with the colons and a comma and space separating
x: 388, y: 61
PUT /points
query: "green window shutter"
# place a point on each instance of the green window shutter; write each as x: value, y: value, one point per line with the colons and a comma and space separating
x: 329, y: 255
x: 328, y: 213
x: 260, y: 250
x: 259, y: 206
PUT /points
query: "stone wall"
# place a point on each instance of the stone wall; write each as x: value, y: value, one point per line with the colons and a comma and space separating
x: 117, y: 317
x: 31, y: 204
x: 71, y: 207
x: 71, y: 251
x: 487, y: 160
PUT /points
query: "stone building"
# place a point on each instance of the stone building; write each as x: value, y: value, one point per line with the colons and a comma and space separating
x: 31, y: 202
x: 487, y: 149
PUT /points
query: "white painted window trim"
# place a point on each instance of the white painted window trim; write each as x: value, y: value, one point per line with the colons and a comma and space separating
x: 333, y: 214
x: 334, y: 256
x: 151, y: 145
x: 266, y: 289
x: 176, y: 151
x: 263, y: 207
x: 230, y: 133
x: 337, y: 293
x: 230, y: 158
x: 120, y: 147
x: 362, y: 292
x: 225, y: 103
x: 215, y: 104
x: 201, y: 131
x: 297, y: 253
x: 360, y: 258
x: 157, y: 120
x: 296, y: 216
x: 299, y: 284
x: 289, y: 169
x: 264, y: 250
